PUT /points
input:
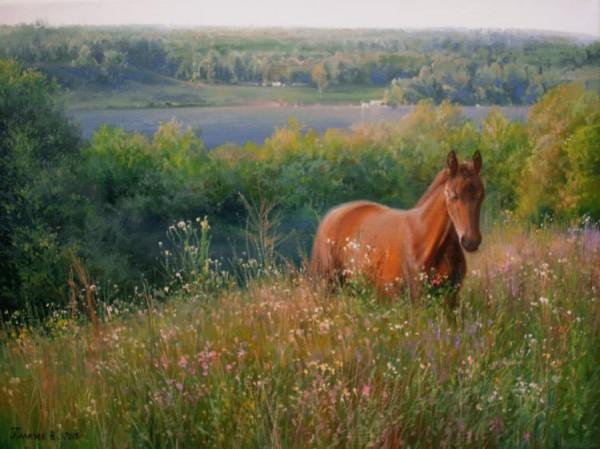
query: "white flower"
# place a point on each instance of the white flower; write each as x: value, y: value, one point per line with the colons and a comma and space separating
x: 204, y: 224
x: 543, y: 300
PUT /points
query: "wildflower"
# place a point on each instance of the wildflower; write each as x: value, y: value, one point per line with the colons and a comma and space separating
x: 181, y: 224
x: 324, y: 327
x: 183, y: 362
x: 164, y: 362
x: 543, y: 300
x: 437, y: 280
x: 204, y: 224
x: 366, y: 390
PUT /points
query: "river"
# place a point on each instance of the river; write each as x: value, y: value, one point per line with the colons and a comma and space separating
x: 238, y: 124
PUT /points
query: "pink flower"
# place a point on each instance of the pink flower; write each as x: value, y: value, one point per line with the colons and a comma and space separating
x: 366, y: 390
x: 437, y: 280
x: 179, y: 386
x: 183, y: 362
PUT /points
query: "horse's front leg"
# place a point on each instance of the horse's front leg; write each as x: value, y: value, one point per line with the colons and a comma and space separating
x: 414, y: 283
x: 455, y: 279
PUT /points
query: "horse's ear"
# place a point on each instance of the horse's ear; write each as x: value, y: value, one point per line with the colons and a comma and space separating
x: 452, y: 163
x: 477, y: 162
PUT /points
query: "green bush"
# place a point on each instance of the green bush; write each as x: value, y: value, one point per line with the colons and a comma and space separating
x: 37, y: 150
x: 549, y: 181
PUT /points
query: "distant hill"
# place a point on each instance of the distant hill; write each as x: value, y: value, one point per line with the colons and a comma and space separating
x: 462, y: 66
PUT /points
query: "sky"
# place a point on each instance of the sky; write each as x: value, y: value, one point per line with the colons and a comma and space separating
x: 574, y: 16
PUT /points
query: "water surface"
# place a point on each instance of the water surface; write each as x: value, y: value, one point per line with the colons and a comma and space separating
x: 238, y: 124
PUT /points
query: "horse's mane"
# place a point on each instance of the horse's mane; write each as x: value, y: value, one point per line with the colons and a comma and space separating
x: 465, y: 169
x: 438, y: 181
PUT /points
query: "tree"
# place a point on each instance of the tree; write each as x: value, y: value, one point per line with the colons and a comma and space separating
x: 550, y: 183
x: 319, y: 77
x: 84, y: 57
x: 394, y: 95
x: 504, y: 147
x: 36, y: 144
x: 113, y: 65
x: 582, y: 195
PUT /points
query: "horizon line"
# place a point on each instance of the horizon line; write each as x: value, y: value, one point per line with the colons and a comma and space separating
x: 182, y: 26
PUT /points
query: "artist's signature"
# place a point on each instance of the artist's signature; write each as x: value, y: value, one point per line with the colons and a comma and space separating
x: 17, y: 433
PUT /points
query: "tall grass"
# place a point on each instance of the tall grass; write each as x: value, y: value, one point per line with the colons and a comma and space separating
x: 281, y: 363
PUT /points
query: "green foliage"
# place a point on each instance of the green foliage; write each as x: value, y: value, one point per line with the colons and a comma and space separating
x: 505, y: 148
x: 563, y: 119
x: 471, y: 81
x: 463, y: 67
x: 138, y: 187
x: 583, y: 179
x: 186, y: 259
x: 37, y: 145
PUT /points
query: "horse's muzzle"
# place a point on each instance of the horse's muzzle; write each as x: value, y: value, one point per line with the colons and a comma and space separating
x: 470, y: 244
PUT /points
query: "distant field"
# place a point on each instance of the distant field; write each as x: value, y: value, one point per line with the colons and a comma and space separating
x: 173, y: 93
x: 590, y: 76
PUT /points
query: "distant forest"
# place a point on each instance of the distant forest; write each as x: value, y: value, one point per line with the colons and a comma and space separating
x: 474, y: 67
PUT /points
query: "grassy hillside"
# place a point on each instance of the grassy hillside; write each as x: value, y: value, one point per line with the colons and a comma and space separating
x: 173, y: 93
x: 285, y: 364
x: 142, y: 88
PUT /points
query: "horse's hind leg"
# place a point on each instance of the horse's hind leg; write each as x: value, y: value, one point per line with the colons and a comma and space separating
x: 324, y: 266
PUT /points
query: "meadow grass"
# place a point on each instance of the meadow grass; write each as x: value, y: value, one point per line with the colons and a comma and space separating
x: 282, y: 363
x: 174, y: 93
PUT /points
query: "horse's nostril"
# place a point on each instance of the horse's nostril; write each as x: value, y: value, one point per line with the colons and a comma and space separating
x: 470, y: 244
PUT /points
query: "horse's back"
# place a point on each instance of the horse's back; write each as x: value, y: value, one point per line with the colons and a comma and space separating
x: 338, y: 227
x: 343, y: 221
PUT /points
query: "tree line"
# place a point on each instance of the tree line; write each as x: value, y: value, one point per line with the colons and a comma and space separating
x: 464, y: 67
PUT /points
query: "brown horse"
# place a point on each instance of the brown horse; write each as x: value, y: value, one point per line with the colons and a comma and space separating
x: 394, y: 247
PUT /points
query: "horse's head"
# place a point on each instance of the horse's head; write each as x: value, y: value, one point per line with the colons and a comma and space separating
x: 464, y: 195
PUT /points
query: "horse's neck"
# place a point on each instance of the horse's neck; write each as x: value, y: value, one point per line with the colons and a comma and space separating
x: 435, y: 225
x: 438, y: 182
